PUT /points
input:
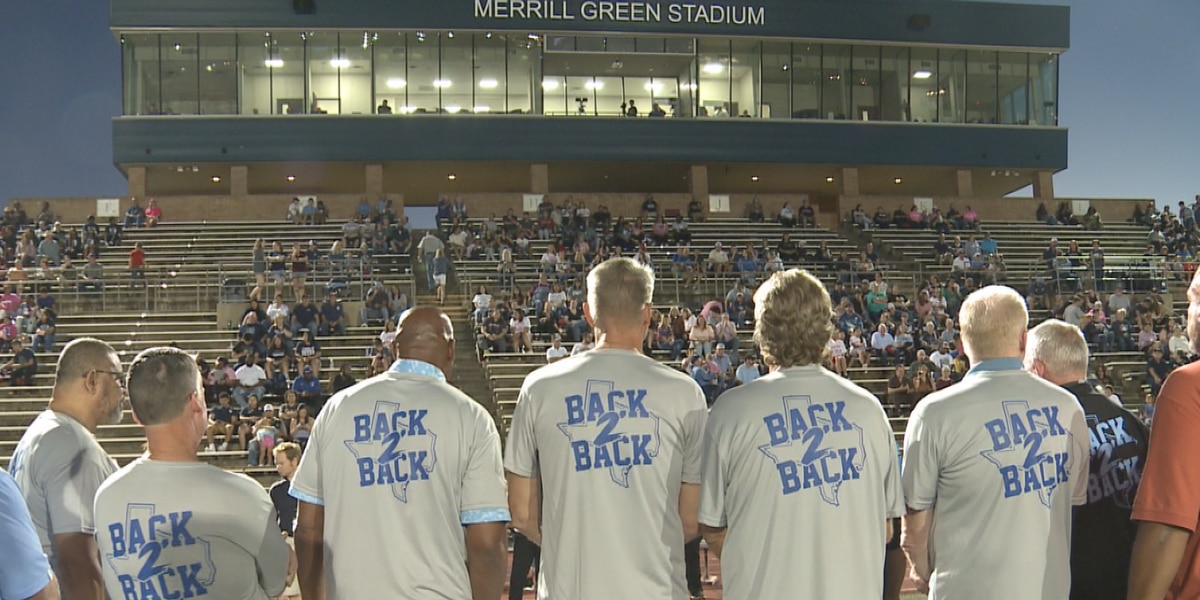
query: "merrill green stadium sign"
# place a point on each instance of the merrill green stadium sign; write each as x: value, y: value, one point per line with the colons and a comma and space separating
x: 620, y: 12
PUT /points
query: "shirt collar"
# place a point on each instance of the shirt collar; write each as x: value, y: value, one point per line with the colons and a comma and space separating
x: 417, y: 367
x: 997, y: 364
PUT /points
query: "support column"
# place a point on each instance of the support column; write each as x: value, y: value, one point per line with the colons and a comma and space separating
x: 374, y: 184
x: 964, y: 183
x: 239, y: 181
x: 1043, y: 185
x: 137, y: 181
x: 539, y: 179
x: 698, y: 180
x: 849, y: 181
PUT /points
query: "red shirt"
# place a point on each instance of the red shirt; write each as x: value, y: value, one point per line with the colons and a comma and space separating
x: 137, y: 258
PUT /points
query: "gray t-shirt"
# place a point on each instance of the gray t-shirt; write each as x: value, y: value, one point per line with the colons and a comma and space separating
x: 1000, y: 458
x: 612, y: 434
x: 800, y: 465
x: 401, y: 462
x: 58, y: 466
x: 188, y: 530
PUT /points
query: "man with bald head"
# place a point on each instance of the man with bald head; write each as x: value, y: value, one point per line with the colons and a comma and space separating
x: 401, y: 489
x: 1101, y: 532
x: 58, y: 465
x: 992, y: 468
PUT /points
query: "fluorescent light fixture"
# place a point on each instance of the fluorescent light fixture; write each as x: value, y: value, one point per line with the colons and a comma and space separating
x: 549, y: 84
x: 395, y: 83
x: 754, y: 178
x: 653, y: 86
x: 441, y: 83
x: 450, y: 34
x: 452, y: 177
x: 488, y: 84
x: 828, y: 180
x: 897, y: 181
x: 922, y: 74
x: 453, y: 108
x: 482, y: 109
x: 594, y: 85
x: 273, y: 63
x: 216, y: 179
x: 291, y: 177
x: 713, y: 68
x: 340, y: 63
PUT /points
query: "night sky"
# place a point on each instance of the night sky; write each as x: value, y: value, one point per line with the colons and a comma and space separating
x: 1130, y: 89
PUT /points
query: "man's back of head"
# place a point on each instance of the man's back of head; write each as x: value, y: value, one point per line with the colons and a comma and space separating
x: 619, y: 292
x: 426, y: 333
x: 993, y: 322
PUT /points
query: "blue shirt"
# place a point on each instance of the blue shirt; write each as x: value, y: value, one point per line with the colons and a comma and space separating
x: 25, y: 569
x: 332, y: 312
x: 304, y: 386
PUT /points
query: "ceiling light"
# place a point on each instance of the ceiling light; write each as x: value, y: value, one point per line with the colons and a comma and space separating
x: 441, y: 83
x: 483, y: 108
x: 549, y: 84
x: 488, y: 35
x: 177, y: 47
x: 922, y: 74
x: 453, y: 108
x: 754, y: 178
x: 208, y: 68
x: 898, y: 181
x: 594, y: 85
x: 713, y: 68
x: 488, y: 84
x: 654, y: 86
x: 291, y: 177
x: 828, y: 180
x: 690, y: 86
x: 452, y: 177
x: 273, y: 63
x: 395, y: 83
x: 785, y: 67
x: 340, y: 63
x: 450, y: 34
x: 216, y: 179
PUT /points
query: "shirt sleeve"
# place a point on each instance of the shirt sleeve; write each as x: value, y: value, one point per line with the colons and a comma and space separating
x: 893, y: 487
x: 71, y: 478
x: 308, y: 482
x: 1170, y: 489
x: 919, y: 473
x: 25, y: 569
x: 694, y: 421
x: 484, y: 493
x: 714, y: 474
x: 1082, y: 449
x: 520, y: 454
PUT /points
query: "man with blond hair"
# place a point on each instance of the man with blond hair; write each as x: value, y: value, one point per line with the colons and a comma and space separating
x: 992, y: 468
x: 614, y: 437
x: 1101, y: 532
x: 798, y: 450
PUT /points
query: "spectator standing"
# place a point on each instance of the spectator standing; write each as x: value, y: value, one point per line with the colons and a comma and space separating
x: 756, y: 494
x: 137, y: 262
x: 299, y: 270
x: 426, y: 252
x: 965, y: 468
x: 453, y: 510
x: 58, y: 465
x: 1102, y: 533
x: 258, y: 265
x: 648, y: 510
x: 226, y: 518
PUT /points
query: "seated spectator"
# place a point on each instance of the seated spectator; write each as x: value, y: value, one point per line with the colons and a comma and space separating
x: 135, y: 216
x: 585, y: 344
x: 1091, y: 220
x: 278, y: 357
x: 747, y: 267
x: 702, y: 337
x: 807, y: 216
x: 221, y: 419
x: 341, y: 380
x: 556, y: 351
x: 649, y: 208
x: 898, y: 388
x: 22, y: 368
x: 922, y: 385
x: 266, y: 432
x: 705, y: 379
x: 883, y: 345
x: 787, y: 217
x: 305, y: 315
x: 1178, y: 345
x: 308, y: 387
x: 747, y: 372
x: 308, y: 351
x: 493, y: 335
x: 859, y: 217
x: 44, y: 331
x: 970, y: 219
x: 251, y: 381
x: 754, y: 211
x: 377, y: 305
x: 718, y: 260
x: 521, y: 329
x: 695, y: 211
x: 222, y: 378
x: 1157, y: 369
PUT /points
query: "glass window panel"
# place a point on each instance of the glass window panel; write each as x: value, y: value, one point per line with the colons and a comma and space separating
x: 491, y: 79
x: 423, y: 73
x: 609, y: 93
x: 142, y: 80
x: 458, y: 80
x: 893, y: 85
x: 835, y: 93
x: 681, y: 45
x: 180, y: 77
x: 951, y: 90
x: 714, y: 78
x: 218, y: 74
x: 324, y: 66
x: 776, y: 80
x: 686, y: 107
x: 864, y: 86
x: 981, y: 86
x: 354, y: 75
x: 581, y: 95
x: 923, y: 85
x: 524, y: 72
x: 560, y: 43
x: 746, y: 76
x: 1014, y: 88
x: 806, y: 81
x: 588, y: 43
x: 286, y: 80
x: 650, y: 44
x: 391, y: 74
x: 1045, y: 89
x: 254, y: 74
x: 556, y: 98
x: 618, y: 43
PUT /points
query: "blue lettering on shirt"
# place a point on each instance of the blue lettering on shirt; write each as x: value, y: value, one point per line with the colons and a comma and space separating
x: 1031, y: 449
x: 393, y: 447
x: 610, y: 429
x: 814, y: 446
x: 1112, y: 479
x: 155, y: 556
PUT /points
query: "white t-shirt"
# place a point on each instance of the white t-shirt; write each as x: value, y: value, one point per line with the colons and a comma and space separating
x: 965, y: 455
x: 482, y: 301
x: 275, y: 310
x: 559, y: 352
x: 251, y: 375
x: 199, y: 530
x: 800, y: 450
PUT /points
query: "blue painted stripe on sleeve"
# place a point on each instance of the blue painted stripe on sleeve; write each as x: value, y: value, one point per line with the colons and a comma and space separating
x: 301, y: 496
x: 485, y: 515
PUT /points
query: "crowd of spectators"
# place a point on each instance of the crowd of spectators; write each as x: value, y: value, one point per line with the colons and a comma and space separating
x: 916, y: 218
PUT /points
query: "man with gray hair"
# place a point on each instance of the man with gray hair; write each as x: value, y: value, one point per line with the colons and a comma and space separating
x: 996, y: 462
x: 1102, y: 533
x: 799, y: 450
x: 614, y: 437
x: 171, y: 526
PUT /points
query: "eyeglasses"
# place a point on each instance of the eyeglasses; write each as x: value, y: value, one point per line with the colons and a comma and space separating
x: 118, y: 376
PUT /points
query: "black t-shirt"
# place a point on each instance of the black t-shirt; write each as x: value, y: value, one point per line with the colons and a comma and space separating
x: 305, y: 313
x: 285, y: 505
x: 1102, y: 533
x: 25, y: 356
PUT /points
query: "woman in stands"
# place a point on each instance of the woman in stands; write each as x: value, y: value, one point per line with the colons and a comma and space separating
x: 299, y: 270
x: 258, y: 265
x: 287, y: 412
x: 153, y: 213
x: 787, y: 217
x: 277, y: 265
x: 301, y: 426
x: 308, y: 352
x: 522, y: 331
x: 279, y: 357
x: 858, y: 350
